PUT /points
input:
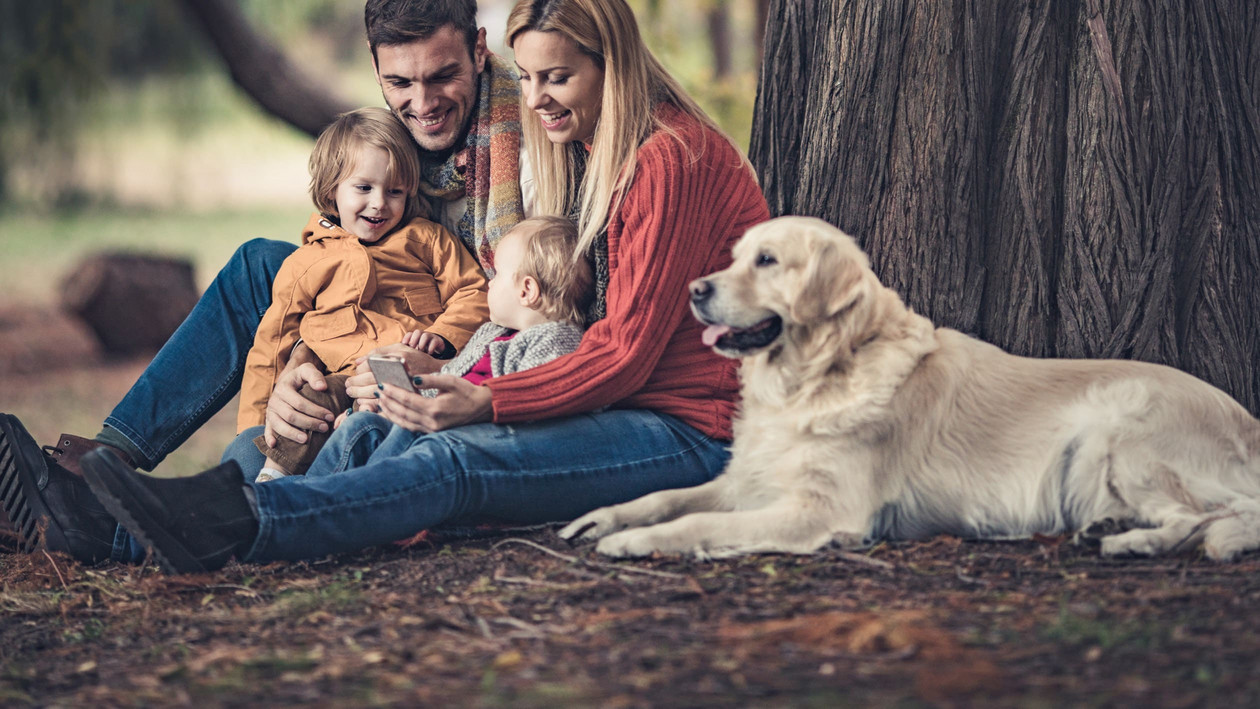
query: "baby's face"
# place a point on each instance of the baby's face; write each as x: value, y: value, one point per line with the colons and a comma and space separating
x: 369, y: 205
x: 504, y: 295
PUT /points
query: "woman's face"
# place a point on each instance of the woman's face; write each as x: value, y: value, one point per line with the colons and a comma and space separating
x: 560, y: 83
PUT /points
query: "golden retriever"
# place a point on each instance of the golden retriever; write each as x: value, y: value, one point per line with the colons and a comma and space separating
x: 862, y: 421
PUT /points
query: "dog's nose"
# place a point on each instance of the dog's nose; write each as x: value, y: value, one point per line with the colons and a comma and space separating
x: 700, y: 290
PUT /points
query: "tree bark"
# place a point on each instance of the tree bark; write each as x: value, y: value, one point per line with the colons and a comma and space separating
x: 1071, y: 178
x: 262, y: 70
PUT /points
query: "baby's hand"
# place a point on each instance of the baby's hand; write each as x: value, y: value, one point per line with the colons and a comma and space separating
x: 412, y: 339
x: 426, y: 342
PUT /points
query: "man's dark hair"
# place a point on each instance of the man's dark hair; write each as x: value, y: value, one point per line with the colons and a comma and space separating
x: 391, y: 22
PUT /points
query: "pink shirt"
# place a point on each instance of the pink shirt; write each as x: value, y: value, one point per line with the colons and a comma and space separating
x: 481, y: 370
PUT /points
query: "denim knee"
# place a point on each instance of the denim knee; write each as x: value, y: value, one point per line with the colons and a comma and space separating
x: 352, y: 444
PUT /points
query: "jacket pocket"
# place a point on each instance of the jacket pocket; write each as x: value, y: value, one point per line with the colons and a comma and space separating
x: 424, y: 300
x: 324, y: 326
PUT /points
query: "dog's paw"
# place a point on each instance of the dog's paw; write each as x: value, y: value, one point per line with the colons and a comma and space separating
x: 592, y: 526
x: 1135, y: 542
x: 629, y: 544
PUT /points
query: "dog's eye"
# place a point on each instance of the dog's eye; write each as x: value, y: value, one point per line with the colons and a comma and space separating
x: 764, y: 259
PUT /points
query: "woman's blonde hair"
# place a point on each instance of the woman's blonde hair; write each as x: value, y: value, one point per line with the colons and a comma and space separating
x: 634, y: 82
x: 337, y: 148
x: 566, y: 285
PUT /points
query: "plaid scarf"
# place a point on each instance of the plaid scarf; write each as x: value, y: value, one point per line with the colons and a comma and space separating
x: 487, y: 169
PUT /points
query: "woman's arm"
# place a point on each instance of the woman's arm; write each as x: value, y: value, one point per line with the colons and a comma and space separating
x: 677, y: 223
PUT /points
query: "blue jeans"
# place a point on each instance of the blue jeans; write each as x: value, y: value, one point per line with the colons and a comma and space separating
x: 199, y: 369
x: 371, y: 485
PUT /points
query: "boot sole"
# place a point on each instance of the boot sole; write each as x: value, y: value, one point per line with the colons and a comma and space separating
x: 23, y: 508
x: 172, y: 556
x: 14, y: 502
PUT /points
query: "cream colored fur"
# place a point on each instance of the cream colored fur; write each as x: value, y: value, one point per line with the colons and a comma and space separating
x: 862, y: 421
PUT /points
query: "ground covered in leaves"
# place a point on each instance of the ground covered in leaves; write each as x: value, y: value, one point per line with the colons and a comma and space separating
x: 524, y: 620
x: 527, y: 621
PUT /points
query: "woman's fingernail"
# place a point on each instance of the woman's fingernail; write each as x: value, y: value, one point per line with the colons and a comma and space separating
x: 377, y: 394
x: 417, y: 380
x: 381, y: 387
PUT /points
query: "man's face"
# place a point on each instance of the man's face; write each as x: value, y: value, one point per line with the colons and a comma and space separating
x: 431, y: 85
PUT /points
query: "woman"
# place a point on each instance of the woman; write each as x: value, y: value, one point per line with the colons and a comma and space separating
x: 660, y: 195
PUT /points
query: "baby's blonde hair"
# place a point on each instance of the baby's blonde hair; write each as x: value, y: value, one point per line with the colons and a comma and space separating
x: 566, y: 284
x: 337, y: 148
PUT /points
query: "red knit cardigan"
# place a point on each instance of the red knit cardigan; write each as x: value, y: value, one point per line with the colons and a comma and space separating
x: 688, y: 203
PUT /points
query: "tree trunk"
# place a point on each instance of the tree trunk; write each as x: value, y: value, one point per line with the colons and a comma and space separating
x: 262, y: 70
x: 133, y: 303
x: 718, y: 19
x: 1070, y: 178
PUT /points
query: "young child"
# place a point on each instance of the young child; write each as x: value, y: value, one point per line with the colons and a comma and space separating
x: 370, y: 271
x: 538, y: 298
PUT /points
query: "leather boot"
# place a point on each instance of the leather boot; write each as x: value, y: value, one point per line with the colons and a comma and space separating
x: 66, y: 454
x: 45, y: 502
x: 71, y: 449
x: 192, y: 524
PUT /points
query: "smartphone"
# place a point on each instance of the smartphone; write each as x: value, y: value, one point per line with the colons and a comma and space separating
x: 389, y: 370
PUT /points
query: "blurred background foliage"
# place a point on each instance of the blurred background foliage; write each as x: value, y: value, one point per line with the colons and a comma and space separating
x: 124, y: 103
x: 120, y: 126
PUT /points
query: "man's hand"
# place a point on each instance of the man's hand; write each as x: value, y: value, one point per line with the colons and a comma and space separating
x: 458, y: 403
x: 289, y: 414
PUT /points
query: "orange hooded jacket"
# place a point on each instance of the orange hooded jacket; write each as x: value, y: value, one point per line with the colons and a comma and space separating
x: 344, y: 298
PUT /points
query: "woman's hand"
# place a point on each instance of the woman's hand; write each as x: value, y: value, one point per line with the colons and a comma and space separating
x: 289, y: 414
x: 362, y: 386
x: 458, y: 403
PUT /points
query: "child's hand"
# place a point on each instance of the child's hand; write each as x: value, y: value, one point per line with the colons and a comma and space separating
x: 426, y: 342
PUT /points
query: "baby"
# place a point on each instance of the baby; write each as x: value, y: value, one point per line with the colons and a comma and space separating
x: 370, y: 271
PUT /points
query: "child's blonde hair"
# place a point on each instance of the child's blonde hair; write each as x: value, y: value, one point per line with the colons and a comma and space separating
x: 336, y: 150
x: 566, y: 284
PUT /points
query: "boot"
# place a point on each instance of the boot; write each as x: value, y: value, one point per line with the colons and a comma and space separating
x: 192, y: 524
x: 71, y: 449
x: 43, y: 500
x: 66, y: 454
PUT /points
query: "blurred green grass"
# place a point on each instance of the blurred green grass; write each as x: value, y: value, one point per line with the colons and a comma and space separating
x: 40, y: 248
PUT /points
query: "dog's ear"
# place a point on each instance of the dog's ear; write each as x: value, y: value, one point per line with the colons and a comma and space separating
x: 829, y: 284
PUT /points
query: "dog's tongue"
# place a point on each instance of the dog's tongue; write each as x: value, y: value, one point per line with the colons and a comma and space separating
x: 713, y: 333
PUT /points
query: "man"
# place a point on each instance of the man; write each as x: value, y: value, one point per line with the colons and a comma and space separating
x: 461, y: 105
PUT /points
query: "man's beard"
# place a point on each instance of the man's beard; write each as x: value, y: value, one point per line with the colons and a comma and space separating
x: 438, y: 156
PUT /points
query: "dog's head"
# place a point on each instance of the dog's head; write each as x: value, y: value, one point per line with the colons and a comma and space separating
x: 788, y: 273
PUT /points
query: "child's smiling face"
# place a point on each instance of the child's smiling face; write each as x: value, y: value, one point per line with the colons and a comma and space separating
x: 368, y: 204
